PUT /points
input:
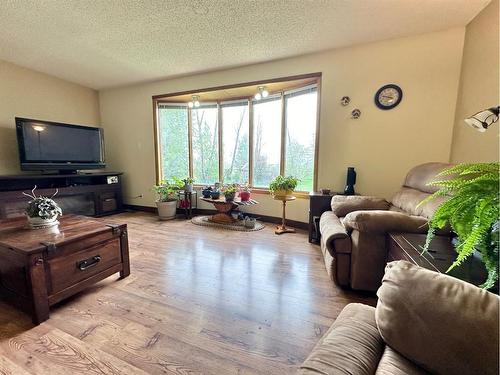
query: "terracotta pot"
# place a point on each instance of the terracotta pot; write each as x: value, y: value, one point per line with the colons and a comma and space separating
x: 167, y: 210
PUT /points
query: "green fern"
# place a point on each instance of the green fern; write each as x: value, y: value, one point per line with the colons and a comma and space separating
x: 472, y: 212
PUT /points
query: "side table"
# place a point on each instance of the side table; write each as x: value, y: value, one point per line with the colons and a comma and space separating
x: 318, y: 203
x: 441, y: 254
x: 280, y: 229
x: 186, y: 202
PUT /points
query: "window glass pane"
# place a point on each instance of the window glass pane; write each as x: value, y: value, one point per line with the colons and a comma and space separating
x: 267, y: 141
x: 300, y: 117
x: 174, y: 148
x: 235, y: 142
x: 205, y: 145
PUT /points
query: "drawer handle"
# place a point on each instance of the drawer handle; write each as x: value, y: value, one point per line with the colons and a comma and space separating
x: 109, y: 199
x: 87, y: 263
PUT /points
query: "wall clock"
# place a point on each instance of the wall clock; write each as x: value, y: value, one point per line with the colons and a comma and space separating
x: 388, y: 96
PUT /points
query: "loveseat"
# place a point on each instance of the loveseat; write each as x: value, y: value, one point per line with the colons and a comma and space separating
x: 354, y: 232
x: 424, y: 323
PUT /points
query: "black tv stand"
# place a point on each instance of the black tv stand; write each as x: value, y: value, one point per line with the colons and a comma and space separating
x: 90, y: 194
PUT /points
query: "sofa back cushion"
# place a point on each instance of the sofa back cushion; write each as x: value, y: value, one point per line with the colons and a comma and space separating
x: 443, y: 324
x: 415, y: 190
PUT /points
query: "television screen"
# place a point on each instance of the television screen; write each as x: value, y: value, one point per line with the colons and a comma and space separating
x: 49, y: 145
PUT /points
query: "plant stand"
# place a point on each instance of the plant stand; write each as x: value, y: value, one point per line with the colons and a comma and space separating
x: 224, y: 209
x: 280, y: 229
x: 187, y: 197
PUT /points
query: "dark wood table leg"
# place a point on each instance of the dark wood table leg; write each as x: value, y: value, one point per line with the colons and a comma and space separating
x: 125, y: 257
x: 38, y: 285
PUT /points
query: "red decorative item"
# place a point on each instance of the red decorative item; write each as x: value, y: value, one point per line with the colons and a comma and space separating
x: 244, y: 195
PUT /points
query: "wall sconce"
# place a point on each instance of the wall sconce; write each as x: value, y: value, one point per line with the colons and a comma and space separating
x: 194, y: 102
x: 262, y: 93
x: 355, y: 114
x: 345, y: 100
x: 484, y: 119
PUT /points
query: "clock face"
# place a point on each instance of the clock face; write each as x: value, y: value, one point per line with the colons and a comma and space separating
x: 388, y: 96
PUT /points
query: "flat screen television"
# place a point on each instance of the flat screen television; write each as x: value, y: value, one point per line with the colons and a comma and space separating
x: 47, y: 145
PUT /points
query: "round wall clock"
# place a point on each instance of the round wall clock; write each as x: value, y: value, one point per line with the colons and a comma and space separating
x: 388, y: 96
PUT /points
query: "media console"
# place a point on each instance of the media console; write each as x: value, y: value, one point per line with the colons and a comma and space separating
x: 89, y: 194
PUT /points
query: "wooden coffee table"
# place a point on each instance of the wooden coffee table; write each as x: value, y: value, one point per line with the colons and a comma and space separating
x: 224, y: 209
x: 40, y: 267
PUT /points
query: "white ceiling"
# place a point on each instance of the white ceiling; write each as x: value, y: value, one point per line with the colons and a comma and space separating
x: 107, y: 43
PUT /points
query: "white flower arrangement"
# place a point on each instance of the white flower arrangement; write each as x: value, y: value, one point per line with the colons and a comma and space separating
x: 42, y: 207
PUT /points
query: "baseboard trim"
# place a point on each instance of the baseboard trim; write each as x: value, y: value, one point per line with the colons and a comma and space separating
x: 202, y: 211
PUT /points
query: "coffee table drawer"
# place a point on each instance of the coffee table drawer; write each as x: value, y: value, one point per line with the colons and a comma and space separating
x: 66, y: 271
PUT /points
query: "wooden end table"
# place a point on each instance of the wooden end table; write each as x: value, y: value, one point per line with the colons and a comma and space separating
x: 40, y: 267
x: 224, y: 209
x: 280, y: 229
x: 441, y: 255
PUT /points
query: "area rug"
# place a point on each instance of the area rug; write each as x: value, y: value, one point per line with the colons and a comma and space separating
x: 205, y: 221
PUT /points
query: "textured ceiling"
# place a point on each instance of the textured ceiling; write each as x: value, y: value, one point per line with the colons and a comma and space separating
x: 106, y: 43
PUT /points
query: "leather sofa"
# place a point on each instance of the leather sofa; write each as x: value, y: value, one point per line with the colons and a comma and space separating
x: 424, y: 323
x: 354, y: 232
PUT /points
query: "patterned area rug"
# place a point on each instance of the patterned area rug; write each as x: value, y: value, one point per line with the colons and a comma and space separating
x: 205, y: 221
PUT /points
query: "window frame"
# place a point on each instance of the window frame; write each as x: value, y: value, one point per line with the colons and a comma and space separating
x: 164, y: 99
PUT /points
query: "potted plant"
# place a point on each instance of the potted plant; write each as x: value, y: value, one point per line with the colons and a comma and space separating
x: 207, y: 190
x: 230, y: 193
x: 245, y: 193
x: 283, y: 186
x: 42, y: 212
x: 167, y: 198
x: 188, y: 184
x: 471, y: 211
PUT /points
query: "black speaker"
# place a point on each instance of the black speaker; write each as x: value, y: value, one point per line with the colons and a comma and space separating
x: 350, y: 181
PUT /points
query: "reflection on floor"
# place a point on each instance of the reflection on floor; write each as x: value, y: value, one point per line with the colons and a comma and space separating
x: 199, y: 300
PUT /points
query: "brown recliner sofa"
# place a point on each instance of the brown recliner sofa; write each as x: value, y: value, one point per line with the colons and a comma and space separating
x: 354, y: 232
x: 424, y: 323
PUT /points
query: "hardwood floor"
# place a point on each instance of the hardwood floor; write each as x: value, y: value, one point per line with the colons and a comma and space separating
x: 198, y: 301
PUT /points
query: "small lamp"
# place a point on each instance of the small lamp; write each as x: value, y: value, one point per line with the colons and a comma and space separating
x: 484, y: 119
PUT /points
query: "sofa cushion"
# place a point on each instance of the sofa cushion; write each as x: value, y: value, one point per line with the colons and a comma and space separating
x: 343, y: 204
x: 393, y: 363
x: 407, y: 200
x: 352, y: 345
x: 443, y: 324
x: 419, y: 177
x: 384, y: 221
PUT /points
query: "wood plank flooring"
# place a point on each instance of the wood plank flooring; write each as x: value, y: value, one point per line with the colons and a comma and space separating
x: 198, y: 301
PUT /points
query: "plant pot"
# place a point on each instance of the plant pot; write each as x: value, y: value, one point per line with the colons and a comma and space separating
x: 283, y: 193
x: 167, y: 210
x: 245, y: 195
x: 206, y: 193
x: 229, y: 197
x: 188, y: 188
x: 215, y: 194
x: 38, y: 222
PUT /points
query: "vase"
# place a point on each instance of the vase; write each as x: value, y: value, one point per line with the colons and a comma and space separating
x: 38, y: 222
x: 188, y: 188
x: 245, y: 196
x: 167, y: 210
x: 229, y: 197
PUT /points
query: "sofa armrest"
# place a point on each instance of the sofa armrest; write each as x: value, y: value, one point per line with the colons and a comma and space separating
x: 332, y: 229
x: 352, y: 345
x: 344, y: 204
x: 377, y: 221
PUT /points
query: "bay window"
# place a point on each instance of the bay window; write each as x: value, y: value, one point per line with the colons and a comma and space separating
x: 240, y: 141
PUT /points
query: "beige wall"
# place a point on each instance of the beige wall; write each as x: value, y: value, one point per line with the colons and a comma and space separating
x: 382, y: 145
x: 26, y: 93
x: 479, y: 84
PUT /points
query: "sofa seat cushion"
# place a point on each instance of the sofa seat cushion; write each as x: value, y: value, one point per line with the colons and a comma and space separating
x: 443, y: 324
x: 393, y: 363
x: 352, y: 345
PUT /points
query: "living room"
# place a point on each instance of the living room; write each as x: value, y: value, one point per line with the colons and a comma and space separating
x: 255, y: 206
